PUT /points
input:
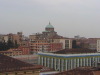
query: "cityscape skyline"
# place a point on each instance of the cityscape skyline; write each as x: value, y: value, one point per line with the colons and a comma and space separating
x: 68, y: 17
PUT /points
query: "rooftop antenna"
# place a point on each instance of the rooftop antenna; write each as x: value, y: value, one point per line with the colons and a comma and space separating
x: 49, y: 23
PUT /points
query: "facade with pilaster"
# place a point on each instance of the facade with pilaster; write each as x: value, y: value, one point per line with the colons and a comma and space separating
x: 63, y: 62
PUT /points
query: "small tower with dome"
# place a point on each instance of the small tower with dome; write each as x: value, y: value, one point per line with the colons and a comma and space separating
x: 49, y: 31
x: 49, y: 27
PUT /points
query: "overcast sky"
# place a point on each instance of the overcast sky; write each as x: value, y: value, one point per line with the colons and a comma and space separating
x: 69, y: 17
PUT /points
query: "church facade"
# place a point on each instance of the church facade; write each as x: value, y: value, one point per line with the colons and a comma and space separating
x: 48, y: 40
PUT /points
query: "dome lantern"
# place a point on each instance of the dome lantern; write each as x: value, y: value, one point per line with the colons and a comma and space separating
x: 49, y: 26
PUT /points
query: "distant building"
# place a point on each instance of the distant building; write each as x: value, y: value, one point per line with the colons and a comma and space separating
x: 89, y: 43
x: 55, y: 47
x: 40, y: 45
x: 93, y: 43
x: 12, y: 52
x: 13, y: 37
x: 16, y: 51
x: 25, y: 43
x: 16, y: 38
x: 66, y: 43
x: 98, y: 45
x: 4, y: 38
x: 25, y: 50
x: 32, y: 37
x: 78, y: 37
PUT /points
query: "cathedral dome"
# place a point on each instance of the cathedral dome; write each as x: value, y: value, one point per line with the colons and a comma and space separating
x: 49, y: 26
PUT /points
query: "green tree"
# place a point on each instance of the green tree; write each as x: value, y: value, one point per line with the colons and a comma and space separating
x: 16, y: 44
x: 10, y: 43
x: 74, y: 44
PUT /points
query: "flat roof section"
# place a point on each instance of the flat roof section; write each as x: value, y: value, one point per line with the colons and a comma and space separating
x: 69, y: 55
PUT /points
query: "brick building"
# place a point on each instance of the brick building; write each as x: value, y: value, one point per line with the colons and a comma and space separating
x: 16, y: 37
x: 89, y: 43
x: 25, y: 50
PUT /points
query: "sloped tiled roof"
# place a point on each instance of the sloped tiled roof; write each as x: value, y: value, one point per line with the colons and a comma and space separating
x: 10, y: 64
